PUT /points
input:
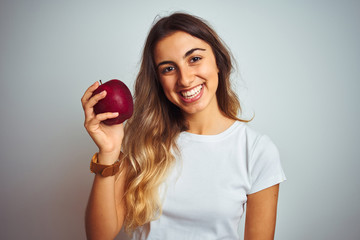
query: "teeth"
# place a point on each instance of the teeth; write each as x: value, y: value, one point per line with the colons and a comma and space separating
x: 191, y: 93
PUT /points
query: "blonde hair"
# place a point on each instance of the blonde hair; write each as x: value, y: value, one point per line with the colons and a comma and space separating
x: 150, y: 135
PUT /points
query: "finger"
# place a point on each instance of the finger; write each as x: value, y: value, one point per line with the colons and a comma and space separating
x: 108, y: 115
x: 89, y: 105
x: 93, y: 123
x: 88, y: 93
x: 95, y: 99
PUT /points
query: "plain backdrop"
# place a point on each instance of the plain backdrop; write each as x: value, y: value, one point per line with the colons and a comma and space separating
x: 298, y: 71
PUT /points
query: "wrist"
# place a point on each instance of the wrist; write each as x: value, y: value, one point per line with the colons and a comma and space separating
x: 105, y: 170
x: 108, y: 158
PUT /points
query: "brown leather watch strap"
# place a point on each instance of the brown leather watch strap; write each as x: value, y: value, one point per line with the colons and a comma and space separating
x: 103, y: 170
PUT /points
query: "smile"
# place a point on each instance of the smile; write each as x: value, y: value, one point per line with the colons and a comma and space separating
x: 192, y: 93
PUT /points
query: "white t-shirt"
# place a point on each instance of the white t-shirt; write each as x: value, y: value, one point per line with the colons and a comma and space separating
x: 205, y: 193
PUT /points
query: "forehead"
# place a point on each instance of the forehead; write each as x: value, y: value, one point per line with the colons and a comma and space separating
x: 176, y: 45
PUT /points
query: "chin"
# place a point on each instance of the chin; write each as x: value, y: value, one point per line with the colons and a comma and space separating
x: 193, y: 110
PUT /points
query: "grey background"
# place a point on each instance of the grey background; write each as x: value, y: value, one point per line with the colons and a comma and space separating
x: 298, y: 71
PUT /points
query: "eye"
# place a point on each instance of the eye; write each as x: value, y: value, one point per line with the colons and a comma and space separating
x: 167, y: 69
x: 195, y: 59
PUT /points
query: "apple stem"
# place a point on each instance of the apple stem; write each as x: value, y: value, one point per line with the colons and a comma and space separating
x: 100, y: 82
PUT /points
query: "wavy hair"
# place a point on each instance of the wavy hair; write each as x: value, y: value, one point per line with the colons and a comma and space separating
x: 150, y: 135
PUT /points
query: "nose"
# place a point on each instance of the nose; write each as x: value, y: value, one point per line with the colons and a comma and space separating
x: 186, y: 77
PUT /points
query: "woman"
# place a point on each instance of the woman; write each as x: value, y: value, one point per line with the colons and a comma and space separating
x: 188, y: 164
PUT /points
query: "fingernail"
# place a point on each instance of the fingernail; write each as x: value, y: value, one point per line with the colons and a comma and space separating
x: 115, y: 113
x: 103, y: 92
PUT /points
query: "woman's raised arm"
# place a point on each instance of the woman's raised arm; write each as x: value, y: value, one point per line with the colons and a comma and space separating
x: 106, y: 209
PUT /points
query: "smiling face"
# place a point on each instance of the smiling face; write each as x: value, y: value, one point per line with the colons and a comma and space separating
x: 188, y: 73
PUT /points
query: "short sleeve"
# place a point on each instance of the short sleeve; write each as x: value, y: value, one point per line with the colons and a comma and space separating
x: 265, y: 168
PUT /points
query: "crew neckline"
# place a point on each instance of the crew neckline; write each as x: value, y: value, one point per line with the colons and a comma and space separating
x: 210, y: 138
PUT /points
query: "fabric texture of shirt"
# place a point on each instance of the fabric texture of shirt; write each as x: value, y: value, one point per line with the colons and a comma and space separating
x: 205, y: 193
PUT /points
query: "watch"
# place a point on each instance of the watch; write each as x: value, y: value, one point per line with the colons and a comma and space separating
x: 103, y: 170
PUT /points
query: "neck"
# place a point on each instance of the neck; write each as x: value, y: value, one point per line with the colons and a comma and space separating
x: 208, y: 122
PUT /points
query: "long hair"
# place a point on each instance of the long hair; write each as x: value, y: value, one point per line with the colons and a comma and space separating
x: 150, y: 135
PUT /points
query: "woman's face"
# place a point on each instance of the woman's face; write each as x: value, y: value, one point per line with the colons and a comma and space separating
x: 188, y: 73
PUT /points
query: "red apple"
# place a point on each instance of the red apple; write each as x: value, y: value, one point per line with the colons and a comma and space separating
x: 118, y: 99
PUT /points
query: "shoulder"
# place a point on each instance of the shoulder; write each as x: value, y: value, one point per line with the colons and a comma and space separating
x: 258, y: 142
x: 264, y: 164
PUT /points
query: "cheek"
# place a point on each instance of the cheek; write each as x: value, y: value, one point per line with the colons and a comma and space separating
x: 211, y: 74
x: 209, y: 69
x: 167, y: 87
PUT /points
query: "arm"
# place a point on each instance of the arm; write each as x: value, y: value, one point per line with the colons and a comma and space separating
x: 105, y: 210
x: 261, y: 214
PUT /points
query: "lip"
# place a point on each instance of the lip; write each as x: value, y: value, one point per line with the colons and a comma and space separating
x: 189, y: 89
x: 194, y: 99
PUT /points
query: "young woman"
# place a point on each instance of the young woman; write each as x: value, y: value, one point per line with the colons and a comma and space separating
x: 188, y: 164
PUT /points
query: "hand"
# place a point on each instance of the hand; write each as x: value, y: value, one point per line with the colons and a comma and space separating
x: 107, y: 138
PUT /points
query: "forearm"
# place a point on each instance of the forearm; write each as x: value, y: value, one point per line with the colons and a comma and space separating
x: 101, y: 216
x: 101, y: 220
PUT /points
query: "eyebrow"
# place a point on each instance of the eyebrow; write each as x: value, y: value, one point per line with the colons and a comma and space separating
x: 185, y: 55
x: 193, y: 50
